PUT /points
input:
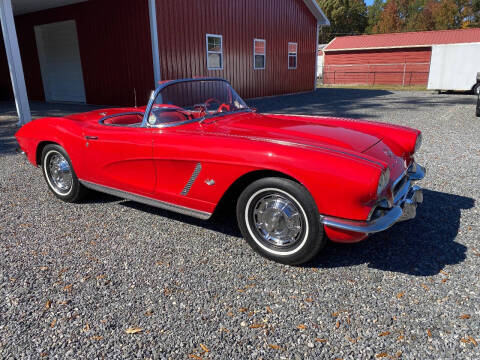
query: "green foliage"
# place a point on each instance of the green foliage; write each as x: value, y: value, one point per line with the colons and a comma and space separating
x: 351, y: 17
x: 347, y: 17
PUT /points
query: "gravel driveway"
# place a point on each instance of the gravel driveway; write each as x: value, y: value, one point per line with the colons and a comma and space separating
x: 75, y: 278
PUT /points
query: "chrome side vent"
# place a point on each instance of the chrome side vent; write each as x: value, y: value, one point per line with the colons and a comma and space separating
x: 192, y: 179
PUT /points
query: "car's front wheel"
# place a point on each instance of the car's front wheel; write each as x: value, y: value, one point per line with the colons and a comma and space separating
x: 59, y: 174
x: 279, y: 219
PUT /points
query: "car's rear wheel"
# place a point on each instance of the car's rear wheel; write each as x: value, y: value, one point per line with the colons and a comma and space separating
x: 59, y: 174
x: 279, y: 219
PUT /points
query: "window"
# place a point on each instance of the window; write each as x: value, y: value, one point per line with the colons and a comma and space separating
x: 214, y: 52
x: 292, y: 55
x: 258, y: 54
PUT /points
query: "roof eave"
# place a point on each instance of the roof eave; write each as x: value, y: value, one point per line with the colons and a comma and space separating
x: 317, y: 12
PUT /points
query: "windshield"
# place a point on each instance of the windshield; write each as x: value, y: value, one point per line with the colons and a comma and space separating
x: 188, y: 101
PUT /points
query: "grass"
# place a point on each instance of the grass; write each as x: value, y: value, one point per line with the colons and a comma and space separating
x: 376, y: 87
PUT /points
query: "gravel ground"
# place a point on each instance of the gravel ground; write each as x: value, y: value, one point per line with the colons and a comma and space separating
x: 75, y: 278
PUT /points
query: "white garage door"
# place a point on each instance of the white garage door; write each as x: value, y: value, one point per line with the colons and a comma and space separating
x: 60, y: 63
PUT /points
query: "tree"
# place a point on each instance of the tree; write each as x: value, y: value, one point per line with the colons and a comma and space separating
x: 347, y: 17
x: 374, y: 12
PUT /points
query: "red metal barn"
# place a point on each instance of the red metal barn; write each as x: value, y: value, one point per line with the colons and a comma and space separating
x: 397, y: 59
x: 106, y: 51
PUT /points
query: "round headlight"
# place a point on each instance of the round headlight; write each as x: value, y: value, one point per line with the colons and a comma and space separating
x: 418, y: 143
x: 383, y: 181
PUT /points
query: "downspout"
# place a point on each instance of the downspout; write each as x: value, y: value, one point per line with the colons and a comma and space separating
x: 152, y: 10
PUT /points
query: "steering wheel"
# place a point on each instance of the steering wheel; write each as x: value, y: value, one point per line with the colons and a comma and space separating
x: 224, y: 107
x: 213, y: 100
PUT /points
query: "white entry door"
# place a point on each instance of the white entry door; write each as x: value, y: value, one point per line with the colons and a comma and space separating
x: 60, y: 63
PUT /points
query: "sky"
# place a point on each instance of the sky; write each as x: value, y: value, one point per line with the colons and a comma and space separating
x: 369, y: 2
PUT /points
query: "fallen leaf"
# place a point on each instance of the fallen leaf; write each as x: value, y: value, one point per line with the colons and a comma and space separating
x: 269, y: 309
x: 335, y: 314
x: 43, y: 354
x: 429, y: 333
x: 251, y: 313
x: 352, y: 340
x: 401, y: 337
x: 148, y: 313
x: 103, y: 276
x: 465, y: 340
x: 301, y: 327
x: 43, y: 268
x: 309, y: 300
x: 97, y: 338
x: 385, y: 333
x: 87, y: 327
x: 54, y: 321
x: 134, y: 330
x: 225, y: 329
x: 193, y: 356
x: 256, y: 326
x: 204, y: 348
x: 444, y: 280
x: 68, y: 287
x: 241, y: 290
x: 443, y: 272
x: 48, y: 304
x: 400, y: 295
x: 276, y: 347
x: 337, y: 325
x: 473, y: 341
x: 381, y: 355
x: 425, y: 287
x: 464, y: 316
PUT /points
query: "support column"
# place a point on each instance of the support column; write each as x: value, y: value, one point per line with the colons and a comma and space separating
x: 14, y: 62
x: 152, y: 9
x: 316, y: 58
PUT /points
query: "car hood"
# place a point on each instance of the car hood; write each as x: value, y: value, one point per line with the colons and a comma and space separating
x: 310, y: 131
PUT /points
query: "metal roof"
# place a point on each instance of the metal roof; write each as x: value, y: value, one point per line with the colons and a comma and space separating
x: 403, y: 40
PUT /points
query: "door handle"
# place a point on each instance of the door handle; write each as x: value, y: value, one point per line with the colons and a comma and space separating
x: 91, y: 137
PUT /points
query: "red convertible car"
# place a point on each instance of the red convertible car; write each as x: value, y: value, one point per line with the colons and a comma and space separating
x: 295, y: 181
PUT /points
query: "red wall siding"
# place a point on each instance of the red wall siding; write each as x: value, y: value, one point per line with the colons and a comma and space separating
x: 115, y: 49
x: 182, y: 26
x: 366, y: 68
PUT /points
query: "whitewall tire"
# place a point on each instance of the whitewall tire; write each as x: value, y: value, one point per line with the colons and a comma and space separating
x: 279, y: 219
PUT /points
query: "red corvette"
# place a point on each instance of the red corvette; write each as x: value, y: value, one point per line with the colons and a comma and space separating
x: 295, y: 180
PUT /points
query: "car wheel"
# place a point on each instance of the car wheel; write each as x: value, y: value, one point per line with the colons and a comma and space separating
x: 476, y: 89
x: 280, y: 220
x: 59, y: 174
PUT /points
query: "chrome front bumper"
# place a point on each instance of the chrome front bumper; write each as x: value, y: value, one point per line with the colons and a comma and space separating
x: 404, y: 207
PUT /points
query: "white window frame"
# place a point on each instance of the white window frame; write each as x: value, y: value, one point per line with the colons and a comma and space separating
x: 264, y: 54
x: 293, y: 54
x: 214, y: 52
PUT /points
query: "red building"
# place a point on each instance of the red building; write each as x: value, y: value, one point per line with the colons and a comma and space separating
x: 106, y: 51
x: 400, y: 58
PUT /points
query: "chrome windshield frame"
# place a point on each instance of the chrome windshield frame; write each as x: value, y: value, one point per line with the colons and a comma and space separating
x: 166, y: 84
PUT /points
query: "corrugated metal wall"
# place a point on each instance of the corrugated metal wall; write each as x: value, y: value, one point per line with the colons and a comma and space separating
x: 115, y: 45
x: 183, y: 25
x: 373, y: 66
x: 115, y: 49
x: 6, y: 91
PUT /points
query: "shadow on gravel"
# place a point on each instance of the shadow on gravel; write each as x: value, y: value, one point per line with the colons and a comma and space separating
x: 420, y: 247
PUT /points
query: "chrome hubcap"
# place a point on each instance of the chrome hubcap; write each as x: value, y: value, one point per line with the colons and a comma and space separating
x: 60, y: 173
x: 278, y: 220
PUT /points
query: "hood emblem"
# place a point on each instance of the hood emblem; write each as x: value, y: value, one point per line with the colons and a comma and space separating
x: 210, y: 182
